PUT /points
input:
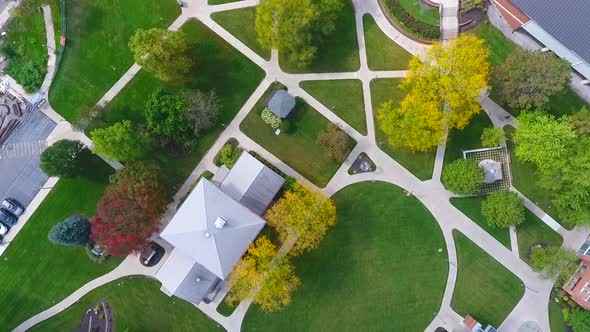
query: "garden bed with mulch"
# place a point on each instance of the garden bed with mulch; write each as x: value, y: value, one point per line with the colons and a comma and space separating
x: 471, y: 19
x: 98, y: 318
x: 362, y: 164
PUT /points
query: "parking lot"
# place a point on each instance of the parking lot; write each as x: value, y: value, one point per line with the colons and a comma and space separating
x: 20, y: 175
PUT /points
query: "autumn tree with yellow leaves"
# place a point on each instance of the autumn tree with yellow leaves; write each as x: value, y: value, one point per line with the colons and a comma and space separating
x: 261, y: 270
x: 441, y: 94
x: 302, y: 213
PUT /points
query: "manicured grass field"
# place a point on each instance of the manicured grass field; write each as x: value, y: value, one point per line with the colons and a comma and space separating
x: 218, y: 67
x: 241, y: 24
x: 556, y: 321
x: 421, y: 11
x: 378, y: 269
x: 500, y: 47
x: 534, y: 231
x: 382, y: 52
x: 343, y: 97
x: 298, y: 148
x: 471, y: 207
x: 468, y: 138
x: 34, y: 273
x: 339, y: 52
x: 525, y: 179
x: 419, y: 163
x: 138, y: 305
x: 485, y: 289
x: 96, y: 52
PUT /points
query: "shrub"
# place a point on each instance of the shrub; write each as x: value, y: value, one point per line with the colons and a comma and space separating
x: 74, y: 230
x: 566, y: 314
x: 101, y: 316
x: 503, y: 209
x: 285, y: 126
x: 270, y: 118
x: 409, y: 23
x: 289, y: 183
x: 463, y: 177
x: 228, y: 156
x: 492, y: 137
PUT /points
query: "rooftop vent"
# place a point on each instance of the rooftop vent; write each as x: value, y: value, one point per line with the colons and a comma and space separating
x: 220, y: 222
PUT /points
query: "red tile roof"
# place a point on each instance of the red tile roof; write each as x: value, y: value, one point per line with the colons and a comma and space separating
x: 514, y: 16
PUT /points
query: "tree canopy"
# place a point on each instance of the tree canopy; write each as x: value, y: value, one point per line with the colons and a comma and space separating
x: 554, y: 262
x: 579, y: 320
x: 303, y: 213
x: 202, y: 109
x: 503, y: 209
x: 167, y: 118
x: 261, y: 270
x: 441, y: 94
x: 492, y: 137
x: 120, y: 141
x: 74, y: 230
x: 528, y: 78
x: 162, y: 52
x: 296, y: 27
x: 581, y: 121
x: 335, y: 142
x: 65, y: 158
x: 462, y: 177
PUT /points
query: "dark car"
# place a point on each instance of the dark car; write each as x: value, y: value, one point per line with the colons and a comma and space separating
x: 13, y: 206
x: 152, y: 254
x: 7, y: 218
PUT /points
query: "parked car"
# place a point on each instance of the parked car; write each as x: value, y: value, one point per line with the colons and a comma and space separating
x: 152, y: 254
x: 7, y: 218
x: 13, y: 206
x: 3, y: 230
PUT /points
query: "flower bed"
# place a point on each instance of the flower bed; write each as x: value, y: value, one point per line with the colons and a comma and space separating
x: 409, y: 23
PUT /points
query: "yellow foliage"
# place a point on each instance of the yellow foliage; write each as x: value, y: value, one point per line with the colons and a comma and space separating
x: 303, y: 213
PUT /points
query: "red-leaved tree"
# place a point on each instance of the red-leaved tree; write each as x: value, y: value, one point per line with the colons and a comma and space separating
x: 129, y: 211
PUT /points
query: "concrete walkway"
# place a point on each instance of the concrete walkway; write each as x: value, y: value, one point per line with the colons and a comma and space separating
x: 533, y: 306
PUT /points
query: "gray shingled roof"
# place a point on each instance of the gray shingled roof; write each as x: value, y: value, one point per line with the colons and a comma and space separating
x: 252, y: 184
x: 566, y: 20
x: 281, y: 103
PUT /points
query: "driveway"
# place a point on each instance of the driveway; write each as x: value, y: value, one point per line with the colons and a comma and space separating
x: 20, y: 175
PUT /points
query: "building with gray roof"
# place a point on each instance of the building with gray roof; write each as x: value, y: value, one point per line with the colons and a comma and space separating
x: 281, y: 103
x: 214, y: 227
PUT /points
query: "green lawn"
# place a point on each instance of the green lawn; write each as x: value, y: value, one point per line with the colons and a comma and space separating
x: 485, y: 289
x: 378, y: 269
x: 556, y: 321
x: 382, y: 52
x: 533, y: 231
x: 500, y: 47
x: 298, y: 148
x: 219, y: 67
x: 35, y: 274
x: 419, y: 163
x: 138, y: 305
x: 241, y: 24
x: 467, y: 139
x: 471, y: 207
x: 343, y: 97
x: 96, y: 52
x: 338, y: 52
x: 421, y: 11
x: 525, y: 179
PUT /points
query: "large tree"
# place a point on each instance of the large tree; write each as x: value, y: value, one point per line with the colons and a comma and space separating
x: 260, y: 270
x: 543, y: 140
x: 579, y: 320
x: 129, y: 211
x: 120, y: 141
x: 302, y: 213
x: 162, y: 52
x: 167, y: 118
x: 554, y: 262
x: 202, y: 109
x: 296, y: 27
x: 463, y: 177
x: 65, y: 158
x: 335, y: 142
x: 528, y: 78
x: 441, y: 93
x: 492, y: 137
x: 581, y: 121
x: 503, y: 209
x: 74, y: 230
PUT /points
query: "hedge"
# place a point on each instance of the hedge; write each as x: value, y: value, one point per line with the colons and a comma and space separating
x: 409, y: 23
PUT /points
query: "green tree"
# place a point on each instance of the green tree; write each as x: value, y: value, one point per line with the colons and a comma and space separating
x: 335, y: 142
x: 580, y: 320
x: 543, y: 140
x: 296, y: 27
x: 463, y: 177
x: 120, y: 141
x: 74, y: 230
x: 166, y: 118
x: 554, y: 262
x: 492, y: 137
x: 581, y: 121
x: 202, y: 109
x: 65, y: 158
x: 528, y: 78
x: 162, y: 52
x: 503, y: 209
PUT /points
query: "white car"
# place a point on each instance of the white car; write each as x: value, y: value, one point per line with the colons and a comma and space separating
x: 3, y: 230
x: 13, y: 206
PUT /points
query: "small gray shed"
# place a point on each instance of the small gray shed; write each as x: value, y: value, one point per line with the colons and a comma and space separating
x: 281, y: 103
